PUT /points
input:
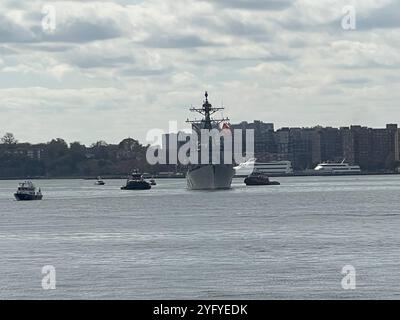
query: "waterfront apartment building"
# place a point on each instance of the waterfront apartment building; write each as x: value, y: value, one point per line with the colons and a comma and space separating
x: 265, y: 145
x: 372, y: 149
x: 33, y: 152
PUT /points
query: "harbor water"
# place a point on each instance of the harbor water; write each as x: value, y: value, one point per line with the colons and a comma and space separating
x: 269, y: 242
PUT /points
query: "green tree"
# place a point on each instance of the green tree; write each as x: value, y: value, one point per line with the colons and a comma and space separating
x: 56, y: 148
x: 100, y: 149
x: 9, y: 139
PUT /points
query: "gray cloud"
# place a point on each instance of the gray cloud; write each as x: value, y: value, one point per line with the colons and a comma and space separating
x: 177, y: 41
x: 80, y: 31
x: 4, y: 51
x: 291, y: 61
x: 141, y: 72
x: 234, y: 27
x: 386, y: 17
x: 11, y: 32
x: 353, y: 81
x: 88, y: 61
x: 46, y: 47
x: 253, y: 4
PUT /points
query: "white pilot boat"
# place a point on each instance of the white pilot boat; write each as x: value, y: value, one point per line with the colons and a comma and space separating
x: 99, y: 182
x: 27, y: 192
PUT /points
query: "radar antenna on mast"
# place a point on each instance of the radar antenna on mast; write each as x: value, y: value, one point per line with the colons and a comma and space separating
x: 207, y: 110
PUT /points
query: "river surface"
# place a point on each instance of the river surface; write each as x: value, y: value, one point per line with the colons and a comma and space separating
x: 273, y: 242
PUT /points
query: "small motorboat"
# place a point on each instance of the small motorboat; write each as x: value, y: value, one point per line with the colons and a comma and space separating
x: 27, y: 192
x: 136, y: 182
x: 153, y: 182
x: 99, y: 182
x: 259, y: 179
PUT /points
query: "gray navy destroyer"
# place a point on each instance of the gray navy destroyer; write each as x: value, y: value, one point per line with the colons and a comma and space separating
x: 208, y: 176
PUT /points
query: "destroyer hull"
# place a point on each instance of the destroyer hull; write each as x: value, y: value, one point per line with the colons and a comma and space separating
x: 210, y: 177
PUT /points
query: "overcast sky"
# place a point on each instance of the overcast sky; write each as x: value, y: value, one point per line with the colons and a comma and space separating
x: 113, y: 69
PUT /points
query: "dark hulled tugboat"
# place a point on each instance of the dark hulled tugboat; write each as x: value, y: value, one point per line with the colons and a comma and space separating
x: 259, y: 179
x: 27, y: 192
x: 136, y: 182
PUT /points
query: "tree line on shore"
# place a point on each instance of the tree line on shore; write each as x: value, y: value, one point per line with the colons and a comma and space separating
x: 57, y: 158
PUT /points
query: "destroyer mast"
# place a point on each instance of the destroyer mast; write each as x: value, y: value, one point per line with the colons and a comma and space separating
x: 207, y: 111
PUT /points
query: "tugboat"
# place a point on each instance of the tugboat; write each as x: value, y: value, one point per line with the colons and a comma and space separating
x: 99, y: 182
x: 136, y: 182
x: 259, y: 179
x: 27, y: 192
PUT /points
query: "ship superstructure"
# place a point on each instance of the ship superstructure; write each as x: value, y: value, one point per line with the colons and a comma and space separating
x: 209, y: 176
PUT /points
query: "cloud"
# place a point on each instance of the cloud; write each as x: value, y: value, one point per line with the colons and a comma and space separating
x: 118, y: 68
x: 4, y: 50
x: 253, y: 4
x: 79, y: 30
x: 12, y: 32
x: 176, y: 41
x: 387, y: 17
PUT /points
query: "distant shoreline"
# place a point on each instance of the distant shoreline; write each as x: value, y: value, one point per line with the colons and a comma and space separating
x: 312, y: 174
x: 89, y: 178
x: 119, y: 177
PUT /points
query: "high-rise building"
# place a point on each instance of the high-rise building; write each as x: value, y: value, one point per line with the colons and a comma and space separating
x: 300, y: 147
x: 282, y: 143
x: 264, y: 142
x: 383, y: 146
x: 348, y: 150
x: 372, y: 149
x: 361, y: 145
x: 331, y: 144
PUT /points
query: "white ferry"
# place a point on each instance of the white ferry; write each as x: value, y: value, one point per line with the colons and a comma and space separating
x: 269, y: 168
x: 337, y: 168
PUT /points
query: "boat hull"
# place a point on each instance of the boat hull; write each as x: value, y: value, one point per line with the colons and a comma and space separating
x: 137, y: 185
x: 257, y: 182
x: 27, y: 197
x: 210, y: 177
